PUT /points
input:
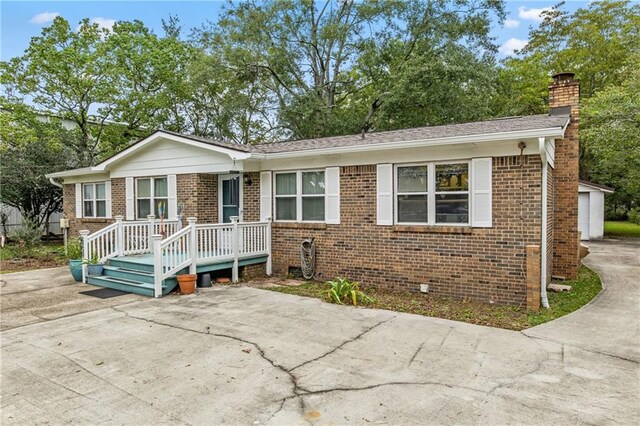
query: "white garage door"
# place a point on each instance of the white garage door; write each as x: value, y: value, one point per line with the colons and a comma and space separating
x: 583, y: 214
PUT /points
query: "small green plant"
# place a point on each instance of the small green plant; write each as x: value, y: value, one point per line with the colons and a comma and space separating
x: 74, y: 249
x: 28, y: 234
x: 345, y: 291
x: 93, y: 260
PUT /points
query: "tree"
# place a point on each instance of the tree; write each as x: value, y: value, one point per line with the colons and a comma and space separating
x: 67, y: 73
x: 328, y: 66
x: 612, y: 137
x: 31, y: 146
x: 593, y: 42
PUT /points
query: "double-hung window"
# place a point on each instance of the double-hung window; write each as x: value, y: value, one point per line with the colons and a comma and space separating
x: 151, y: 197
x: 94, y: 200
x: 429, y: 194
x: 300, y: 196
x: 452, y: 193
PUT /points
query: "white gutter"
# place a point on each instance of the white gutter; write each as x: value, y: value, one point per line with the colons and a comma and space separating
x: 543, y: 243
x: 552, y: 132
x: 53, y: 182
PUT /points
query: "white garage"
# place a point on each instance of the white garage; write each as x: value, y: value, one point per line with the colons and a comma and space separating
x: 591, y: 209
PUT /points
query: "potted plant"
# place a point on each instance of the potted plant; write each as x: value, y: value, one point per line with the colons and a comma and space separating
x: 94, y: 267
x: 187, y: 283
x: 74, y: 255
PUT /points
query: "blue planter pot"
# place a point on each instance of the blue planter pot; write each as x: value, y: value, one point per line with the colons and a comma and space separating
x: 76, y: 269
x: 95, y: 269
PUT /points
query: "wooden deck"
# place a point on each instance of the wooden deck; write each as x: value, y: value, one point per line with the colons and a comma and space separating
x: 202, y: 265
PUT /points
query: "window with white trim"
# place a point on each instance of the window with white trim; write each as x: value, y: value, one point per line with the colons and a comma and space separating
x: 152, y: 193
x: 432, y: 193
x: 452, y: 193
x: 300, y: 196
x: 94, y: 200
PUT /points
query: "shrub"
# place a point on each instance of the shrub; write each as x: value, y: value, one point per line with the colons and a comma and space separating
x: 74, y: 249
x: 634, y: 215
x: 28, y: 234
x: 345, y: 291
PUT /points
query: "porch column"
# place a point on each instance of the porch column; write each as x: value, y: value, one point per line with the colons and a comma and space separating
x: 119, y: 236
x: 156, y: 243
x: 234, y: 243
x: 85, y: 252
x: 193, y: 244
x: 152, y: 229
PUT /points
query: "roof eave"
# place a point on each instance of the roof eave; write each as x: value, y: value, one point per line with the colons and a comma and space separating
x: 551, y: 132
x: 74, y: 172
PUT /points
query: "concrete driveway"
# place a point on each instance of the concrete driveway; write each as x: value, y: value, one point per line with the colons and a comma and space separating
x: 249, y: 356
x: 42, y: 295
x: 611, y: 323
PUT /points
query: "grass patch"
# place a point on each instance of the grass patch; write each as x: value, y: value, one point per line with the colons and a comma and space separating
x: 14, y: 258
x: 585, y: 287
x: 621, y: 229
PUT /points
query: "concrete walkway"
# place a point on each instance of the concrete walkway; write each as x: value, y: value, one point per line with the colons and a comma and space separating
x: 611, y: 323
x: 248, y: 356
x: 31, y: 297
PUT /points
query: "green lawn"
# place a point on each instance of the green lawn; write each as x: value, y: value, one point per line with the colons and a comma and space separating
x: 584, y: 288
x: 621, y: 229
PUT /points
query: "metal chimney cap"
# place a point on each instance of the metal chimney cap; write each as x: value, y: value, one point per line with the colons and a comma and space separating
x: 563, y: 76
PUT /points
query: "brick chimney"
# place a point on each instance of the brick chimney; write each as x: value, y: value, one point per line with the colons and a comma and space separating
x: 564, y: 97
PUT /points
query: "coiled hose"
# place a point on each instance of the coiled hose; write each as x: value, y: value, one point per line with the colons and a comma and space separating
x: 308, y: 258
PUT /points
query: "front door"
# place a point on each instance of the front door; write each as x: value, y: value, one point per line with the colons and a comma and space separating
x: 230, y: 200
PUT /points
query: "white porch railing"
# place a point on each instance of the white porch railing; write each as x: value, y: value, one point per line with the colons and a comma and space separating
x: 179, y: 248
x: 209, y: 243
x: 122, y: 238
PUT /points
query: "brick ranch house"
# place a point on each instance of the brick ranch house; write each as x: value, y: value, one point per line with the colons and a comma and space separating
x: 484, y: 210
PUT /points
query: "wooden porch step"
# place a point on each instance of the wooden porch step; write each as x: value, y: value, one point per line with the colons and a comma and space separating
x: 129, y: 286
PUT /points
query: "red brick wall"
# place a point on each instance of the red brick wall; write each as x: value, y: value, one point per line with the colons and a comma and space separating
x: 486, y: 264
x: 550, y: 220
x: 565, y: 220
x: 251, y: 197
x: 118, y: 207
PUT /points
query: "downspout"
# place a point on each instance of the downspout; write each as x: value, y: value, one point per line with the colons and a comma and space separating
x: 543, y: 243
x: 53, y: 182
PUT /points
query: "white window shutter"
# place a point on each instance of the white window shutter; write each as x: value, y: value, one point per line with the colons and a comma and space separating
x: 131, y: 213
x: 107, y: 196
x: 332, y: 195
x: 172, y: 194
x: 481, y: 198
x: 384, y: 184
x: 265, y: 196
x: 78, y: 200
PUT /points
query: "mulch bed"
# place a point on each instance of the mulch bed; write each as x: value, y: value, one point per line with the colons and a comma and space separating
x: 19, y: 265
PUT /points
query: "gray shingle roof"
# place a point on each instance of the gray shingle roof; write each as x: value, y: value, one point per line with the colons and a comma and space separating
x: 501, y: 125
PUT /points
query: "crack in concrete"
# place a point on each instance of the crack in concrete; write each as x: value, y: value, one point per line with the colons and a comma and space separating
x: 592, y: 351
x: 341, y: 345
x: 415, y: 354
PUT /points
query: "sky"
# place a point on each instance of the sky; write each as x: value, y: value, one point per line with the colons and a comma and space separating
x: 21, y: 20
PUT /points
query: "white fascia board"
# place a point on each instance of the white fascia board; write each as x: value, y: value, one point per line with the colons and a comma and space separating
x: 234, y: 155
x: 75, y: 172
x: 553, y: 132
